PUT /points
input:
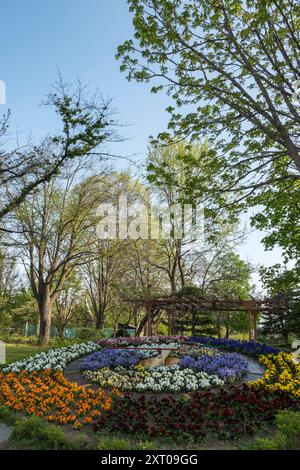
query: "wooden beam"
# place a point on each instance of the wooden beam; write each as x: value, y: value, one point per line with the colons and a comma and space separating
x: 249, y: 325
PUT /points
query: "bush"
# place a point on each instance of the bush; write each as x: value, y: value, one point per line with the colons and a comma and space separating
x: 123, y: 444
x: 4, y: 412
x: 114, y: 444
x: 34, y: 433
x: 287, y: 436
x: 122, y: 333
x: 82, y: 442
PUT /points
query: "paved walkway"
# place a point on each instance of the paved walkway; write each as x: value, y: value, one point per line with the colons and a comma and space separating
x: 72, y: 372
x: 5, y: 432
x: 255, y: 370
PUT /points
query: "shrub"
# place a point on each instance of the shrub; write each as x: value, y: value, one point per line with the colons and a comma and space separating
x: 287, y: 436
x: 114, y: 444
x: 123, y: 444
x: 4, y: 412
x: 82, y: 442
x: 34, y: 433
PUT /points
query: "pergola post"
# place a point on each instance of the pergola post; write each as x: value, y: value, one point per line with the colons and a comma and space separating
x: 249, y: 325
x: 255, y: 324
x: 252, y: 324
x: 149, y: 319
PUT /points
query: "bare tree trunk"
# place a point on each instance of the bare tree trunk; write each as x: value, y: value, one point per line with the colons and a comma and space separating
x: 45, y: 311
x: 100, y: 317
x: 60, y: 330
x: 227, y: 332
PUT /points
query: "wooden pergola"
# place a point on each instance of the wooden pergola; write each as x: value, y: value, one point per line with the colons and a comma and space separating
x: 185, y: 309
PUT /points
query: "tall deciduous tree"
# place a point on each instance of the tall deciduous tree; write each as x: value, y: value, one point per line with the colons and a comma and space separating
x: 87, y: 123
x: 235, y: 62
x: 233, y: 70
x: 57, y: 226
x: 67, y: 302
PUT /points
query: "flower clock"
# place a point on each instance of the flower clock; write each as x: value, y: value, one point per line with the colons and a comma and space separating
x: 173, y: 385
x: 161, y: 366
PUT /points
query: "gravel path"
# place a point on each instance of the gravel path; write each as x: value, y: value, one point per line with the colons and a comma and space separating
x: 255, y: 370
x: 5, y: 432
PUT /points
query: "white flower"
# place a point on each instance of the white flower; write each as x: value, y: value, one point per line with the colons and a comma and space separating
x: 55, y: 359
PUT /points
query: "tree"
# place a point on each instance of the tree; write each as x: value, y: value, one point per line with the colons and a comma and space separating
x: 167, y: 164
x: 282, y: 319
x: 232, y: 68
x: 23, y: 309
x: 235, y: 63
x: 280, y: 220
x: 232, y: 281
x: 294, y: 317
x: 66, y: 303
x: 8, y: 279
x: 99, y: 273
x: 57, y: 225
x: 87, y: 123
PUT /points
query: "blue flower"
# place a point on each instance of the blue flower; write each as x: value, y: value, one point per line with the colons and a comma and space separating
x: 112, y: 358
x: 226, y: 366
x: 249, y: 348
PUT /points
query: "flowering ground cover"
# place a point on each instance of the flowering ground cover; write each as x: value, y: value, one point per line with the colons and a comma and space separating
x: 154, y: 379
x: 50, y: 396
x: 55, y: 359
x: 250, y: 348
x: 201, y: 370
x: 144, y: 340
x: 281, y: 374
x: 227, y: 367
x: 225, y: 413
x: 112, y: 358
x: 193, y: 351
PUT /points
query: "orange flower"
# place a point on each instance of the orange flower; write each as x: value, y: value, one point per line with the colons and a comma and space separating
x: 53, y: 397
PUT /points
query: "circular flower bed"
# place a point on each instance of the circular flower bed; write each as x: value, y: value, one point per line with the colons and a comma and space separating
x: 37, y: 386
x: 196, y: 367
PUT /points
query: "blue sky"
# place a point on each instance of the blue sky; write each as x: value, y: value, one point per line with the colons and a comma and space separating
x: 80, y: 38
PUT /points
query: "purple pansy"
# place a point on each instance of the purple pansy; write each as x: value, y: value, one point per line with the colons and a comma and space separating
x: 226, y: 366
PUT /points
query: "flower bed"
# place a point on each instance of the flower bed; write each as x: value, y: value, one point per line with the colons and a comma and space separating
x: 281, y: 374
x: 50, y: 396
x: 228, y: 367
x: 144, y: 340
x: 250, y: 348
x: 154, y: 379
x: 55, y: 359
x: 112, y: 358
x: 37, y: 386
x: 200, y: 370
x: 227, y: 414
